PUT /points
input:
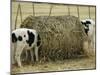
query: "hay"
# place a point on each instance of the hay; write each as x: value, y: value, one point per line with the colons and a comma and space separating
x: 62, y: 36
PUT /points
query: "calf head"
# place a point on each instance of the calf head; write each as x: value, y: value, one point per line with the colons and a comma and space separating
x: 15, y: 38
x: 86, y: 26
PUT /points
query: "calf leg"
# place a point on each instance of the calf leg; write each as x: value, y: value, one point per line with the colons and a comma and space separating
x: 36, y: 53
x: 13, y: 53
x: 26, y: 55
x: 18, y: 53
x: 31, y: 52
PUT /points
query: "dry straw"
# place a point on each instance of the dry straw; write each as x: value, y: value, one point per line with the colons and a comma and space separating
x: 62, y: 36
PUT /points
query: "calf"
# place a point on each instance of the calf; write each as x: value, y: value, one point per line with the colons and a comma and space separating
x: 24, y: 39
x: 89, y: 28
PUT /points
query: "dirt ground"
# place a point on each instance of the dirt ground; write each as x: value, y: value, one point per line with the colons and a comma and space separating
x: 68, y: 64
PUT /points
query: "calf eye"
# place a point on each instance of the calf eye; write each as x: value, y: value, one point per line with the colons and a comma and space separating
x: 24, y: 35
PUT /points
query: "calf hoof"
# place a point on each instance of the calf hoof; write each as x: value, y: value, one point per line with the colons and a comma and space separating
x: 20, y: 66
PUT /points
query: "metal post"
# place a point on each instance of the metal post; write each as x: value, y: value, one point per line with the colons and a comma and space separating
x: 89, y: 11
x: 20, y: 13
x: 78, y: 12
x: 33, y: 9
x: 18, y: 10
x: 50, y: 10
x: 16, y: 17
x: 68, y: 10
x: 51, y: 7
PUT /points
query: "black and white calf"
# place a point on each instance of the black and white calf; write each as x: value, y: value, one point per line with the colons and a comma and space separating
x: 89, y: 27
x: 24, y: 39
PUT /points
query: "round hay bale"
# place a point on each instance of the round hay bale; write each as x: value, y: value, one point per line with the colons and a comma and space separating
x: 62, y: 36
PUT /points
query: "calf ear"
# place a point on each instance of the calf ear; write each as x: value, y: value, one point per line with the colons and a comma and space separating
x: 14, y: 38
x: 88, y: 22
x: 82, y: 22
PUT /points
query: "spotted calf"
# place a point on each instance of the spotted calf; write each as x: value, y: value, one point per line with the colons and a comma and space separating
x: 89, y: 28
x: 24, y: 39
